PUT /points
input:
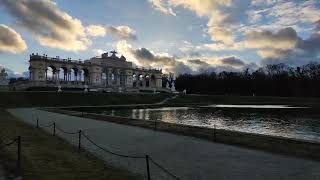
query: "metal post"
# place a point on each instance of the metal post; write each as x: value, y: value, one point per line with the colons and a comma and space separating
x: 214, y: 132
x: 54, y: 128
x: 148, y: 169
x: 37, y: 122
x: 79, y: 144
x: 19, y: 152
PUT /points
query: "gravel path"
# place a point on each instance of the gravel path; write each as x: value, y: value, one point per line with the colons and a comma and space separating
x: 187, y: 157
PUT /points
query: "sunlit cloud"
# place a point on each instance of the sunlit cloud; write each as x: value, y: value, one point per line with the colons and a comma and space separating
x: 10, y: 40
x: 51, y: 26
x: 119, y: 32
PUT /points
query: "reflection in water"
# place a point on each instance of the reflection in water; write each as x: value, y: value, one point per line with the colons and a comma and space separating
x: 270, y: 121
x: 255, y: 106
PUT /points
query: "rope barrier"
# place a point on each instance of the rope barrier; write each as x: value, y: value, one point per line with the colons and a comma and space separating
x: 108, y: 151
x: 163, y: 169
x: 66, y: 132
x: 105, y: 149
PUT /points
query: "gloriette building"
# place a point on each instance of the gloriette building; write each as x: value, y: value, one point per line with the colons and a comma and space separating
x: 108, y: 73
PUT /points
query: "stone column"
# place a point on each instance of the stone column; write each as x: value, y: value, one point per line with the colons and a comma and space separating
x: 158, y: 79
x: 79, y: 76
x: 144, y: 81
x: 46, y: 74
x: 117, y: 77
x: 109, y: 76
x: 57, y: 76
x: 95, y: 75
x: 128, y: 78
x: 106, y: 81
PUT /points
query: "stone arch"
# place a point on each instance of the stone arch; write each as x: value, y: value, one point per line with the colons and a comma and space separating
x: 122, y: 78
x: 114, y: 77
x: 51, y: 72
x: 140, y: 79
x: 63, y: 73
x: 147, y: 80
x: 134, y: 79
x: 84, y: 75
x: 104, y: 77
x: 74, y: 71
x: 153, y: 80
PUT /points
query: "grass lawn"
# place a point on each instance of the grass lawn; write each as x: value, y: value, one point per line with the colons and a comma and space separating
x: 45, y: 157
x: 43, y: 99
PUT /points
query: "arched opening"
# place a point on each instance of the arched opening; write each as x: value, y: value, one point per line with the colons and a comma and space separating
x: 74, y: 74
x: 134, y: 80
x: 140, y: 78
x: 147, y: 80
x: 63, y: 74
x: 104, y: 77
x: 122, y: 78
x: 50, y: 73
x: 84, y: 76
x: 153, y: 80
x: 114, y: 77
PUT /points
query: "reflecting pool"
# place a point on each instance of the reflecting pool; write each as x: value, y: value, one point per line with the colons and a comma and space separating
x: 276, y: 120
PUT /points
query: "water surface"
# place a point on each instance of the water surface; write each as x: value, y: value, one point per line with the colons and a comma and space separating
x: 276, y: 120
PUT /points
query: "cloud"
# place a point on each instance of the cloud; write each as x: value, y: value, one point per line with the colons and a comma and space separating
x: 223, y: 15
x: 161, y: 6
x: 317, y: 24
x: 51, y: 26
x: 267, y: 26
x: 198, y: 62
x: 284, y: 46
x: 146, y: 58
x: 119, y: 32
x: 232, y: 61
x: 122, y: 32
x: 283, y: 39
x: 180, y: 65
x: 96, y: 30
x: 10, y: 40
x: 221, y: 34
x: 98, y: 52
x: 305, y: 51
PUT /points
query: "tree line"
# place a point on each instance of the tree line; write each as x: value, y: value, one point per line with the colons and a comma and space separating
x: 270, y: 80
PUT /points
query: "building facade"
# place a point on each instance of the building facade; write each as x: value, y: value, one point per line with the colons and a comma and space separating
x: 109, y: 73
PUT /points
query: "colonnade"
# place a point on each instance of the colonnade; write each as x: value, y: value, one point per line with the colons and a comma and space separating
x: 102, y: 77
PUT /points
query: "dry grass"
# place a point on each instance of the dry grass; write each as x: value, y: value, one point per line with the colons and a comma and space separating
x: 47, y: 157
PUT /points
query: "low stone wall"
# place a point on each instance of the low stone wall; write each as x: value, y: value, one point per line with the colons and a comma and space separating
x: 279, y: 145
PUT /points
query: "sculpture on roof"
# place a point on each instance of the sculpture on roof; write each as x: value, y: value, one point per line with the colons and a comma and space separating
x: 113, y: 54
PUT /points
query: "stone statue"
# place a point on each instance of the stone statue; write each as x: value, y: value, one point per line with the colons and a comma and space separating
x: 113, y: 54
x: 4, y: 82
x: 3, y: 77
x: 184, y: 91
x: 59, y: 89
x: 85, y: 88
x: 167, y: 85
x: 173, y: 88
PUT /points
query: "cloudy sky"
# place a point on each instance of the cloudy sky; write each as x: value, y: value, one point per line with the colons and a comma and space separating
x: 181, y: 36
